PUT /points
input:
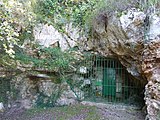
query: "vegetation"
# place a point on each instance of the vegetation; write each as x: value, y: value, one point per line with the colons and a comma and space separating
x: 48, y: 59
x: 8, y: 34
x: 18, y: 17
x: 65, y: 112
x: 61, y: 12
x: 14, y: 18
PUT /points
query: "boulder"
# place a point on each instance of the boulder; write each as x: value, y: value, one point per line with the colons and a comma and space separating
x: 47, y: 36
x: 47, y: 87
x: 65, y: 101
x: 67, y: 97
x: 1, y: 107
x: 26, y: 103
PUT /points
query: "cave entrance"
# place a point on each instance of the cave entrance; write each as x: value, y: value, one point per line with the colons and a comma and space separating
x: 106, y: 80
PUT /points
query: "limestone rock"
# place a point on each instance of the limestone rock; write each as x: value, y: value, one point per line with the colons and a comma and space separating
x: 30, y: 90
x: 132, y: 18
x: 154, y: 27
x: 27, y: 104
x: 48, y: 87
x: 46, y: 35
x: 65, y: 101
x: 1, y: 107
x: 67, y: 97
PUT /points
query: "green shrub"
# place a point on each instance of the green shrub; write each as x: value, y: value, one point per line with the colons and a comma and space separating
x: 47, y: 58
x: 60, y: 12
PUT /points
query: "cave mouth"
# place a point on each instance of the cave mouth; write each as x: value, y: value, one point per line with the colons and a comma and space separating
x: 106, y: 80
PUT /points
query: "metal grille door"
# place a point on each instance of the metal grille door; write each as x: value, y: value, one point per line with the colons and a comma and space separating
x: 102, y: 79
x: 109, y: 82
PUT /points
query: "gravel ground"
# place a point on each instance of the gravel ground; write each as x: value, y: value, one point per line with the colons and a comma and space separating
x: 77, y: 112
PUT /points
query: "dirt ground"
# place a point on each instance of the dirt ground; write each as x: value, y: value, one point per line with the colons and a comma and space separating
x: 83, y: 111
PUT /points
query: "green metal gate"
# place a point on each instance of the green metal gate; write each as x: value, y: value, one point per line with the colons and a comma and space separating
x: 109, y: 82
x: 103, y: 79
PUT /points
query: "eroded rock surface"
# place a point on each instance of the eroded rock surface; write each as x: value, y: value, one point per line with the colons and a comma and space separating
x: 46, y: 35
x: 134, y: 39
x: 151, y: 69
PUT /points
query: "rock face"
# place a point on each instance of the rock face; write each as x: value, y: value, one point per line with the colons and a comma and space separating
x: 134, y: 39
x: 46, y: 35
x: 1, y: 107
x: 151, y: 68
x: 67, y: 97
x: 42, y: 92
x: 26, y: 91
